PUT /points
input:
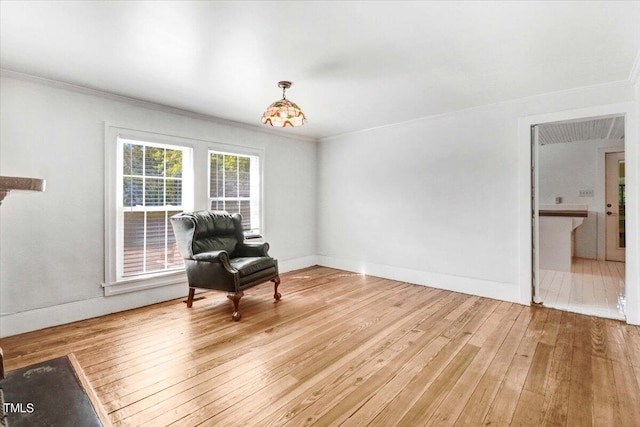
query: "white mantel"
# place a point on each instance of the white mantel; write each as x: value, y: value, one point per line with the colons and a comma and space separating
x: 9, y: 183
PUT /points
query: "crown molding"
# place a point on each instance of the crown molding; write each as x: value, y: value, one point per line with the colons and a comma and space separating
x: 487, y: 107
x: 4, y: 72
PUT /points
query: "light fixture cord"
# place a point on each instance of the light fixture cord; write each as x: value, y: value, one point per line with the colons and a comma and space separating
x: 283, y: 95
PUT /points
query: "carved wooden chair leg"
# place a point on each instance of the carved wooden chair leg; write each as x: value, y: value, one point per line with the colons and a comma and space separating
x: 235, y: 298
x: 192, y: 292
x: 276, y: 282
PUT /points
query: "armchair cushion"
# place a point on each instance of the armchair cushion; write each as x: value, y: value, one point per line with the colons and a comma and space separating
x: 211, y: 243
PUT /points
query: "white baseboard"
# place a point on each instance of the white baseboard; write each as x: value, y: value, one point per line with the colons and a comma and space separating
x: 17, y: 323
x: 485, y: 288
x: 32, y: 320
x: 297, y: 263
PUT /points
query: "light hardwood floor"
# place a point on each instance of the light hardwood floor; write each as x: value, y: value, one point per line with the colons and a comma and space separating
x: 592, y: 287
x: 353, y: 350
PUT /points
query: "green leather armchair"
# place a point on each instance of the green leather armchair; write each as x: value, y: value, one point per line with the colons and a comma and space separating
x: 217, y: 257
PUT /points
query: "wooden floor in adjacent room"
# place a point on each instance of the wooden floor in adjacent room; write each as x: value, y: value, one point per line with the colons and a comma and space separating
x: 346, y: 349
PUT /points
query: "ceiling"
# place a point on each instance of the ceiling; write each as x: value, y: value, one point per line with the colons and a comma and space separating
x: 354, y: 65
x: 605, y: 128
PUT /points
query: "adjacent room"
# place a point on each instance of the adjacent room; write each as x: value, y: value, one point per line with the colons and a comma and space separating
x: 581, y: 203
x: 320, y: 213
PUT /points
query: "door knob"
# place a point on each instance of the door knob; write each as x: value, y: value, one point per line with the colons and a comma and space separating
x: 608, y: 205
x: 610, y: 213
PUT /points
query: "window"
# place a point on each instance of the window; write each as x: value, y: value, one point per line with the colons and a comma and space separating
x: 150, y: 177
x: 152, y: 191
x: 234, y: 186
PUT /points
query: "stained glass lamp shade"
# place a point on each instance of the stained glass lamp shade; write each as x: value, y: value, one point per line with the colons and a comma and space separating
x: 283, y: 112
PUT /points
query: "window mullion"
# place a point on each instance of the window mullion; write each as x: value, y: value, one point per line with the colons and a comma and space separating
x: 166, y: 212
x: 217, y: 179
x: 238, y: 179
x: 224, y: 183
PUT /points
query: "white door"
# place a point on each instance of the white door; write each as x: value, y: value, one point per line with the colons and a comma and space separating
x: 614, y: 209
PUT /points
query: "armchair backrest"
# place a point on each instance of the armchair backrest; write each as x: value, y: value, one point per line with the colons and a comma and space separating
x: 207, y: 231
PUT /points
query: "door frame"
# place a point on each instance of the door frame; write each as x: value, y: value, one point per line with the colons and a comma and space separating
x: 526, y: 208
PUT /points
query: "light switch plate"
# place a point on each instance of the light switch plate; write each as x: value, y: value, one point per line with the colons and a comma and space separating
x: 586, y: 193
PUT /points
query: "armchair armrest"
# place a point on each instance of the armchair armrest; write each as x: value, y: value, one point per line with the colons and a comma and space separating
x: 253, y: 249
x: 212, y: 256
x: 220, y: 256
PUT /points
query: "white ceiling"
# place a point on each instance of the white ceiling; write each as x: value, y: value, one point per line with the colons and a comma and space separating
x: 355, y: 65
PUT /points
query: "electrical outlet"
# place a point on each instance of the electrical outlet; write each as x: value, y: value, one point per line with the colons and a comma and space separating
x: 586, y: 193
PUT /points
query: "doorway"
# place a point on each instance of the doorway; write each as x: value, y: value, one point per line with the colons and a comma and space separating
x: 578, y: 196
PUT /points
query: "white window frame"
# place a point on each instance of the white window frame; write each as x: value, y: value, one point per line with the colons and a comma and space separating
x: 114, y: 283
x: 257, y: 178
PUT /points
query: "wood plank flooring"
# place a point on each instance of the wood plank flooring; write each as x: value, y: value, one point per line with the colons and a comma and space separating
x: 346, y: 349
x: 593, y: 287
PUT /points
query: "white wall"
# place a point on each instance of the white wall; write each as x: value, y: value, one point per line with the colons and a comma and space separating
x: 564, y: 170
x: 436, y: 200
x: 52, y: 243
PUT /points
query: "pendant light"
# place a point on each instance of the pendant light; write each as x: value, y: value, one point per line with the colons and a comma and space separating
x: 283, y: 112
